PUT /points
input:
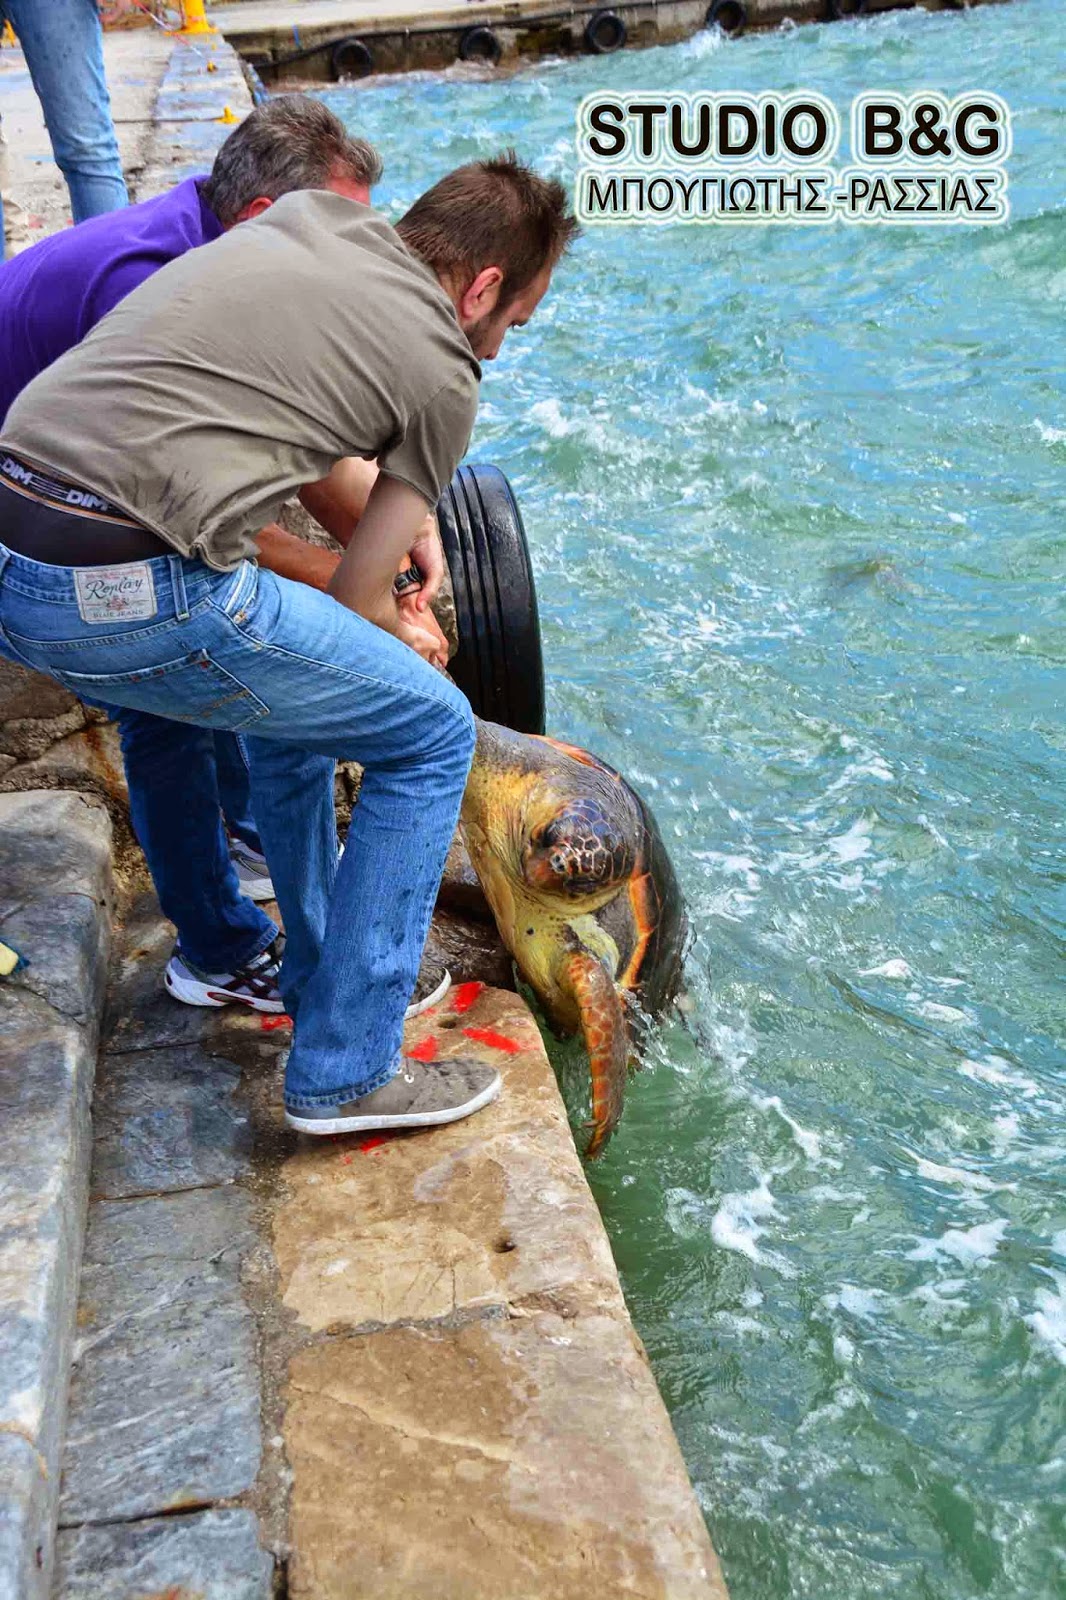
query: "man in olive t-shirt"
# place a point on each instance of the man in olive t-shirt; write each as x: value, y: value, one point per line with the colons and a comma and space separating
x: 156, y: 450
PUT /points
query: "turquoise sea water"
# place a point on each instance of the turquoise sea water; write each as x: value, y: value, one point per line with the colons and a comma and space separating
x: 797, y: 509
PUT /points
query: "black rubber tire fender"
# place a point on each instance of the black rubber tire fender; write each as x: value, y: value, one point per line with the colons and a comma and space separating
x: 605, y: 32
x: 838, y: 10
x: 351, y: 58
x: 499, y: 664
x: 729, y: 15
x: 480, y: 44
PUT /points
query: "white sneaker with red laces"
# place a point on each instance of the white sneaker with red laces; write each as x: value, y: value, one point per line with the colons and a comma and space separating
x: 252, y: 871
x: 255, y: 985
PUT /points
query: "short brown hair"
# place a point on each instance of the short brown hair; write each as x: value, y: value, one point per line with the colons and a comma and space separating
x: 291, y: 142
x: 490, y: 213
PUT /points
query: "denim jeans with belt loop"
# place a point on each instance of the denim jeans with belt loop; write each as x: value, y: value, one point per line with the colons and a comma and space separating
x: 307, y: 682
x: 63, y: 45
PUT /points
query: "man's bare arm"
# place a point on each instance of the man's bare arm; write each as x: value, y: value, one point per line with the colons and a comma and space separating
x: 339, y: 500
x: 387, y: 529
x: 292, y: 557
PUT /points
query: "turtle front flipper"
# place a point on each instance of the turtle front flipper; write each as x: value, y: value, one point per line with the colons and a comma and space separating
x: 603, y: 1025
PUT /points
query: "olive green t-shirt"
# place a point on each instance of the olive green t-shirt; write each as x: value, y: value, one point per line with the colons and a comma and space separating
x: 248, y: 367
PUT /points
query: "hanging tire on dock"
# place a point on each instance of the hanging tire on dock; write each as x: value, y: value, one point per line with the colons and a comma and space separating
x: 480, y: 44
x: 837, y: 10
x: 351, y: 58
x: 605, y: 32
x: 499, y: 665
x: 729, y: 15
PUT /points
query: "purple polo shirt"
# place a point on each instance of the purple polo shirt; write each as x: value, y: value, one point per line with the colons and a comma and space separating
x: 54, y: 292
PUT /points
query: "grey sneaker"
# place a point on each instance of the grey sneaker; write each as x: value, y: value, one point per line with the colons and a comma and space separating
x: 423, y: 1094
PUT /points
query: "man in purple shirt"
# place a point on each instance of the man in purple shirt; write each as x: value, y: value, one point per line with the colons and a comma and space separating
x: 183, y: 779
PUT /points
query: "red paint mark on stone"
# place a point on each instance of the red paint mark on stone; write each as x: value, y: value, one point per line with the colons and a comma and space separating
x: 463, y: 997
x: 425, y: 1051
x: 278, y: 1020
x: 497, y: 1041
x: 374, y: 1141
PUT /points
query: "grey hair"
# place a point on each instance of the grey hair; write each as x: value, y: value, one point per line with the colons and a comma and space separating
x: 291, y: 142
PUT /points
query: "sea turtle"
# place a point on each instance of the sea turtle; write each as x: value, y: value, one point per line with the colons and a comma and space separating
x: 583, y: 893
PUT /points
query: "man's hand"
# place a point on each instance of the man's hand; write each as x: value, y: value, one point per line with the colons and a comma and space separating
x: 427, y: 554
x: 418, y: 636
x: 425, y: 622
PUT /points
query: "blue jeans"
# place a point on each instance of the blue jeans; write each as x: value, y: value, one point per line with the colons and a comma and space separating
x: 64, y: 49
x: 182, y: 780
x: 250, y: 652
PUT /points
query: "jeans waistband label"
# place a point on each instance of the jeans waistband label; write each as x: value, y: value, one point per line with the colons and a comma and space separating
x: 116, y: 594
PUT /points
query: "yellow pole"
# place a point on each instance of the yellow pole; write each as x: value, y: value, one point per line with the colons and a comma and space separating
x: 193, y: 18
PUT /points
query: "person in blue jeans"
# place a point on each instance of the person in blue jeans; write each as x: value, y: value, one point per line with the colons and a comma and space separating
x: 183, y: 781
x: 63, y: 44
x: 135, y: 474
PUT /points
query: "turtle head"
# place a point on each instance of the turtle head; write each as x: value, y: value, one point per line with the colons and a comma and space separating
x: 573, y: 848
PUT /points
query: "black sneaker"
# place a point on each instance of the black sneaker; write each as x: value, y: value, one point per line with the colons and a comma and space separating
x: 423, y: 1094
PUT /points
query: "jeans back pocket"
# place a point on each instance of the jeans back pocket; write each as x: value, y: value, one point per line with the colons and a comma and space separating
x: 193, y: 688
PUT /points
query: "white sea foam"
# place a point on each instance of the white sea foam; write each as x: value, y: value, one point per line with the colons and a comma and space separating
x: 737, y: 1225
x: 1048, y: 1321
x: 972, y: 1247
x: 934, y: 1011
x: 810, y: 1143
x: 843, y: 1349
x: 996, y: 1070
x: 896, y: 968
x: 1007, y: 1127
x: 939, y: 1305
x: 976, y: 1182
x: 872, y: 767
x: 1050, y: 435
x: 854, y: 844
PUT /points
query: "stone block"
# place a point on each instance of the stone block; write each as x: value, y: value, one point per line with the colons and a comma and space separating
x: 165, y: 1120
x: 164, y: 1400
x: 529, y: 1459
x: 215, y: 1555
x: 25, y: 1523
x: 45, y: 1086
x: 89, y: 759
x: 55, y: 894
x: 490, y: 1211
x: 51, y: 842
x: 30, y: 694
x: 29, y: 737
x: 55, y: 885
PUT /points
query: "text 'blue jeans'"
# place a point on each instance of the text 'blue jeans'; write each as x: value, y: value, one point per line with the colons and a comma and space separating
x: 63, y: 46
x: 311, y: 682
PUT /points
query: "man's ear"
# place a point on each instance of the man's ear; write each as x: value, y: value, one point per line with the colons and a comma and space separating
x: 482, y: 295
x: 254, y: 208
